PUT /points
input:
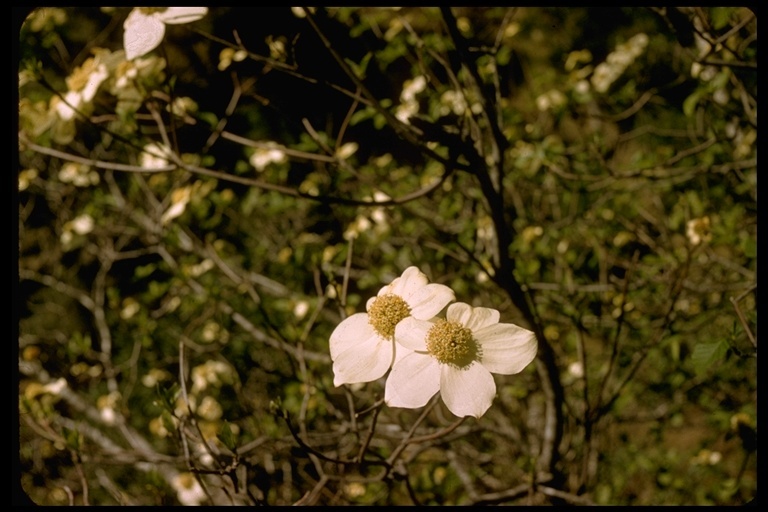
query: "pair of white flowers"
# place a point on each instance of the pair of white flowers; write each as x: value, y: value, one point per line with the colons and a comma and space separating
x: 427, y: 354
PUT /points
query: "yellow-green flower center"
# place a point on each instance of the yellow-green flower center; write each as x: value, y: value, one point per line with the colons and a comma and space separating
x: 385, y: 313
x: 452, y: 343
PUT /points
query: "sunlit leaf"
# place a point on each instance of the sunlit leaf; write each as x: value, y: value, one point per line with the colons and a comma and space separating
x: 706, y: 354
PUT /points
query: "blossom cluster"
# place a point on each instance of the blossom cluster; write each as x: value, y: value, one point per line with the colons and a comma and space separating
x: 404, y: 332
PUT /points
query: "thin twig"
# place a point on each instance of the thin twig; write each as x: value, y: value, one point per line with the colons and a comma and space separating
x: 743, y: 321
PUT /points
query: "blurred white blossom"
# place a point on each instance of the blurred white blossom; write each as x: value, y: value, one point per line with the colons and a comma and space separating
x: 78, y: 174
x: 618, y: 61
x: 145, y: 26
x: 262, y: 157
x: 26, y: 177
x: 154, y: 156
x: 409, y: 105
x: 229, y: 55
x: 179, y: 200
x: 301, y: 309
x: 346, y: 150
x: 188, y: 489
x: 698, y: 230
x: 82, y: 224
x: 214, y: 373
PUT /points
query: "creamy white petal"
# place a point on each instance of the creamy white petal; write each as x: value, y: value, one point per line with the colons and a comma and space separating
x: 414, y: 379
x: 429, y: 300
x: 467, y: 391
x: 400, y: 352
x: 506, y: 348
x: 411, y: 280
x: 366, y: 362
x: 412, y: 333
x: 142, y: 34
x: 178, y: 15
x: 349, y: 333
x: 472, y: 318
x: 458, y: 312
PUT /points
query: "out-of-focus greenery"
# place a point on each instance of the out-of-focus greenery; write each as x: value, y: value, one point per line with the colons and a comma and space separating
x: 591, y: 173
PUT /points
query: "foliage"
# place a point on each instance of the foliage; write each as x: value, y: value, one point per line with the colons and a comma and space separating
x: 195, y: 221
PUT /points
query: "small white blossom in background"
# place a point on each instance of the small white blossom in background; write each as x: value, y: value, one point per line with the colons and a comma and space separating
x: 213, y: 331
x: 262, y: 157
x: 82, y: 86
x: 200, y: 268
x: 154, y: 156
x: 301, y: 309
x: 107, y: 405
x: 300, y: 13
x: 456, y: 356
x: 26, y: 177
x: 551, y: 100
x: 698, y: 230
x: 55, y: 387
x: 707, y: 458
x: 452, y: 102
x: 576, y: 369
x: 346, y: 150
x: 209, y: 409
x: 409, y: 105
x: 277, y: 47
x: 155, y: 376
x: 145, y: 26
x: 157, y: 427
x: 229, y: 55
x: 363, y: 345
x: 82, y: 224
x: 375, y: 219
x: 213, y: 373
x: 36, y: 389
x: 182, y: 106
x: 188, y: 489
x: 179, y: 200
x: 618, y: 61
x: 78, y: 174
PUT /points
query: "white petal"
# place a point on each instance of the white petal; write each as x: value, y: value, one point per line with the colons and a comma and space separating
x: 467, y: 391
x: 411, y: 280
x: 349, y: 333
x: 506, y: 348
x: 472, y: 318
x: 178, y: 15
x: 400, y: 352
x: 142, y: 34
x: 429, y: 300
x: 482, y: 317
x: 366, y: 362
x: 458, y: 312
x: 414, y: 379
x: 411, y: 333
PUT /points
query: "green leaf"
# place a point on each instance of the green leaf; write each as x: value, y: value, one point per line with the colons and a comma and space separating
x: 705, y: 354
x: 144, y: 270
x: 72, y: 438
x: 749, y: 246
x: 689, y: 105
x: 227, y: 437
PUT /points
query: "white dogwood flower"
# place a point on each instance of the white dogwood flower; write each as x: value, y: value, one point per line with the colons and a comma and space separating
x: 456, y: 357
x: 363, y: 347
x: 145, y: 26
